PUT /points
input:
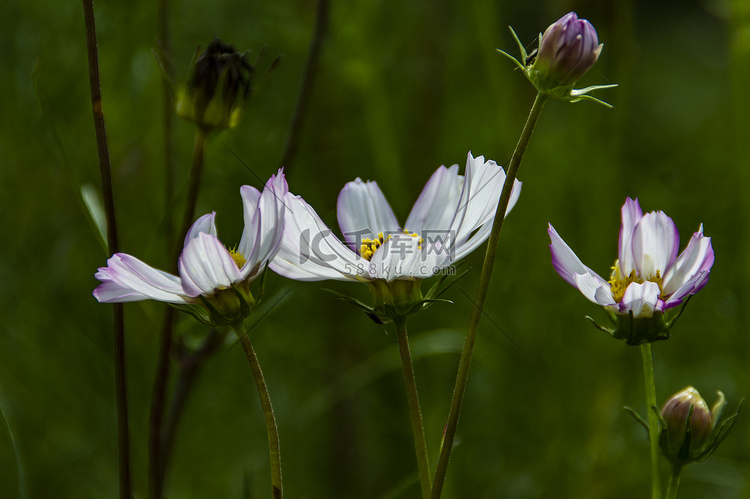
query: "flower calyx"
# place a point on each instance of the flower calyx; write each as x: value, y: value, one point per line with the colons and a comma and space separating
x: 397, y: 299
x: 225, y: 307
x: 639, y: 330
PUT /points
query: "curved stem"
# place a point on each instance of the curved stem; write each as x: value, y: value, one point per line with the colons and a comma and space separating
x: 653, y: 420
x: 265, y: 402
x: 484, y: 283
x: 417, y: 427
x: 123, y: 432
x: 674, y: 483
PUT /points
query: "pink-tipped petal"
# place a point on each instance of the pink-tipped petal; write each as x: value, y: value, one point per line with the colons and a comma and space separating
x: 565, y: 261
x: 129, y: 273
x: 697, y: 257
x: 269, y: 220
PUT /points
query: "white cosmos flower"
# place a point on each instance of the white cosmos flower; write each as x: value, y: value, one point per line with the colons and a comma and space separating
x: 452, y: 216
x: 206, y: 266
x: 648, y: 276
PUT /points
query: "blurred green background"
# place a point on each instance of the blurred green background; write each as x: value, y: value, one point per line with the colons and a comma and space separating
x: 403, y: 87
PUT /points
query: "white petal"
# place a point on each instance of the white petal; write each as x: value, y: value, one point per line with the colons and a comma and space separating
x: 310, y: 251
x: 206, y: 224
x: 641, y: 299
x: 689, y: 287
x: 363, y: 211
x: 595, y: 289
x: 436, y: 206
x: 206, y: 266
x: 267, y: 221
x: 566, y: 263
x: 401, y: 257
x: 126, y: 278
x: 481, y: 191
x: 631, y: 214
x: 655, y: 244
x: 697, y: 257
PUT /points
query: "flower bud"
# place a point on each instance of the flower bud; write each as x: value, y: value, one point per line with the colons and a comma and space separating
x: 689, y: 433
x: 568, y: 49
x: 218, y: 86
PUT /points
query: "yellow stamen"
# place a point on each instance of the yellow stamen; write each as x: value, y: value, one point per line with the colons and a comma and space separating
x: 238, y: 257
x: 618, y: 283
x: 369, y: 246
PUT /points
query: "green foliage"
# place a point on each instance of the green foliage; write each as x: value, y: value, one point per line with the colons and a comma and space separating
x: 403, y: 86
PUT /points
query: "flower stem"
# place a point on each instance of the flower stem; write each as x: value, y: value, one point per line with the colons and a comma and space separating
x: 123, y: 438
x: 265, y: 402
x: 417, y: 427
x: 308, y: 80
x: 484, y: 283
x: 653, y: 420
x: 674, y: 482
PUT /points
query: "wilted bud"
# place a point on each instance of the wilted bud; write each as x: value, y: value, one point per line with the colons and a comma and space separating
x: 568, y: 49
x: 217, y: 88
x: 691, y: 432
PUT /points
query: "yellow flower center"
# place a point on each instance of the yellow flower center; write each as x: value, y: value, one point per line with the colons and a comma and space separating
x: 238, y: 258
x: 618, y: 283
x: 369, y: 246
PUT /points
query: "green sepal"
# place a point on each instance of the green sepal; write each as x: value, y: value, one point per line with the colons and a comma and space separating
x: 721, y: 433
x: 196, y: 311
x: 637, y: 417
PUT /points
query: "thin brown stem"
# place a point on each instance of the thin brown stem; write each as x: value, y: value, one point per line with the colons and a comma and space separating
x: 308, y: 80
x: 157, y: 452
x: 123, y: 440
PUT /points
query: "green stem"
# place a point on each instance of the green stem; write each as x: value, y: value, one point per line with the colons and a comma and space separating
x: 265, y: 402
x: 674, y: 482
x: 653, y: 420
x: 417, y: 427
x: 123, y: 432
x: 484, y: 283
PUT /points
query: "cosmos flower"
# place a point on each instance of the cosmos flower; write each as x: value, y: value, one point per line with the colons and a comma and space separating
x: 452, y: 217
x: 648, y: 277
x: 213, y: 281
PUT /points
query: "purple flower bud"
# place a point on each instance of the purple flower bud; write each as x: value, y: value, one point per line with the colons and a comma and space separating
x: 689, y: 434
x: 568, y: 49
